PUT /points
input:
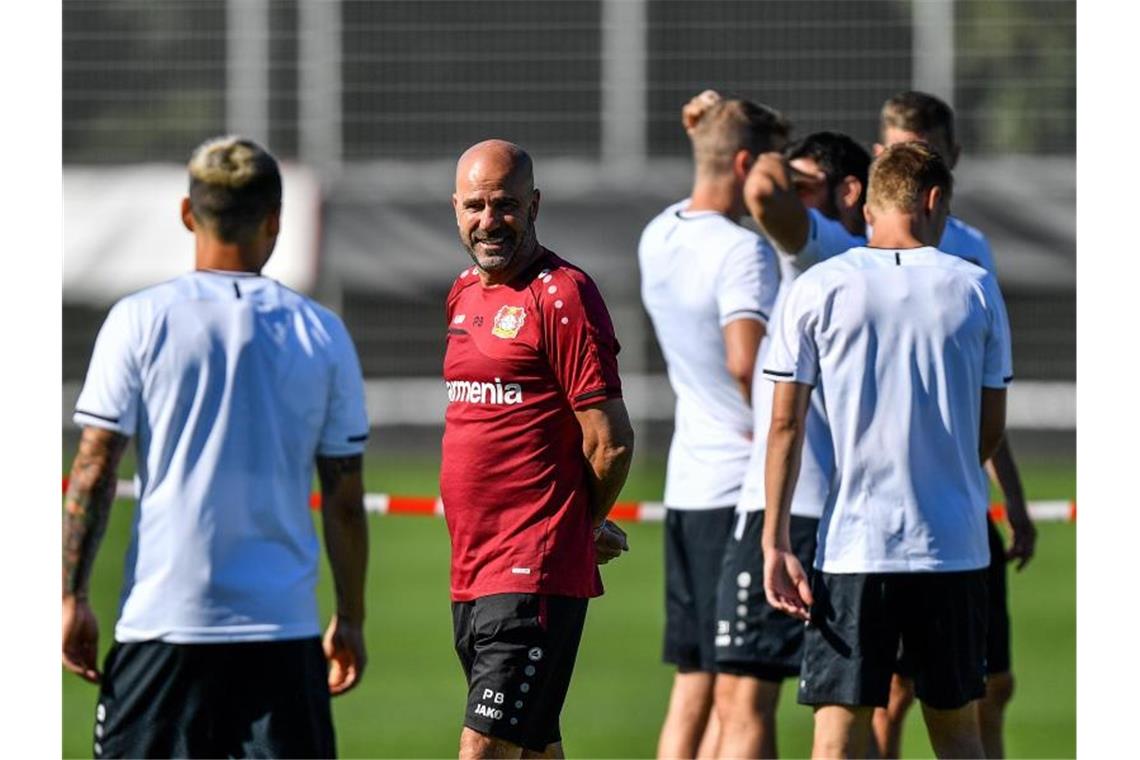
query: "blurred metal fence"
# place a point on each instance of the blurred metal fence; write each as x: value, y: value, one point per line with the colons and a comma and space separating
x: 145, y: 79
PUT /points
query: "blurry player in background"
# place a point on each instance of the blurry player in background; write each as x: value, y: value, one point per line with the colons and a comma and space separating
x: 709, y: 286
x: 906, y: 343
x: 757, y: 646
x: 232, y: 386
x: 536, y: 448
x: 920, y: 116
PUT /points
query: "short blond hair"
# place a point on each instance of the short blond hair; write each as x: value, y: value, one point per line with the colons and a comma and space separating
x: 903, y: 173
x: 234, y: 184
x: 734, y: 124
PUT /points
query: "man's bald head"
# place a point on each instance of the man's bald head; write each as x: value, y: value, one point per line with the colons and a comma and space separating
x: 496, y: 204
x: 495, y: 160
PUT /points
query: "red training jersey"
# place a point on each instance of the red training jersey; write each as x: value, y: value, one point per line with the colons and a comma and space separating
x: 521, y: 358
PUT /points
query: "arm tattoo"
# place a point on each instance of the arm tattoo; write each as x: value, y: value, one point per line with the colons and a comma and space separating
x: 330, y: 470
x: 89, y: 497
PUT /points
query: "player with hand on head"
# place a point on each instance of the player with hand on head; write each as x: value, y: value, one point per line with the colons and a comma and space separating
x: 536, y: 447
x: 920, y: 116
x: 906, y: 343
x: 232, y: 386
x: 757, y: 646
x: 709, y: 286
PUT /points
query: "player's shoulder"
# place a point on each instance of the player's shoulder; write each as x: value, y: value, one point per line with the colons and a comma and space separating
x: 955, y: 226
x: 555, y: 271
x: 557, y: 281
x: 462, y: 281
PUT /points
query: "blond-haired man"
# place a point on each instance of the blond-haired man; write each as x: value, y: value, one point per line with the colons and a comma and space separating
x: 911, y: 348
x: 233, y: 387
x: 914, y: 115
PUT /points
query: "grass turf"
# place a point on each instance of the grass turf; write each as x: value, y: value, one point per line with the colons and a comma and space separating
x: 410, y: 703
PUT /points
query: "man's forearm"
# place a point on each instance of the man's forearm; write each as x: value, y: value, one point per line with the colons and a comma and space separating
x: 346, y: 532
x: 781, y: 470
x: 1003, y: 470
x: 608, y: 469
x: 90, y: 494
x: 782, y: 462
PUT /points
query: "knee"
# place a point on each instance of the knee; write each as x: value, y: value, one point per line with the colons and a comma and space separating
x: 999, y: 689
x: 901, y: 699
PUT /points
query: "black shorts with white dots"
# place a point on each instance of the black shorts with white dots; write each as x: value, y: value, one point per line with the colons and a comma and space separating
x: 518, y: 652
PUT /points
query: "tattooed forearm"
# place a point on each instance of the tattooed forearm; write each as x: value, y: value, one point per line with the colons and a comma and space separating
x: 90, y: 494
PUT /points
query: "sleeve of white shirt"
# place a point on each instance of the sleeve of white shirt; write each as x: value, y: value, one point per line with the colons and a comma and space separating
x: 748, y: 282
x: 794, y: 353
x: 112, y: 390
x: 997, y: 370
x: 826, y: 238
x: 345, y: 431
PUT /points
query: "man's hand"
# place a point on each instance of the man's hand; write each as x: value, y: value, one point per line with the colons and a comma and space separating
x: 344, y: 649
x: 785, y: 583
x: 610, y: 541
x: 696, y: 108
x: 80, y: 639
x: 1024, y: 539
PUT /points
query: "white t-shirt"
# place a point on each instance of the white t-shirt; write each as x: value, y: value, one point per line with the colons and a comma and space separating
x: 699, y: 272
x: 231, y: 385
x: 901, y: 343
x: 826, y: 238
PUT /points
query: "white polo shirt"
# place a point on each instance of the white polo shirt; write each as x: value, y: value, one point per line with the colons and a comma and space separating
x: 699, y: 272
x: 231, y: 385
x: 901, y: 343
x: 826, y: 238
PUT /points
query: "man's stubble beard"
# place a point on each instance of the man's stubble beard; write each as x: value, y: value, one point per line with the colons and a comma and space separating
x: 505, y: 259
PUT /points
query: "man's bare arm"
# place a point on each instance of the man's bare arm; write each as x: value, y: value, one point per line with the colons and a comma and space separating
x: 1003, y: 471
x: 90, y: 494
x: 346, y: 531
x: 741, y: 341
x: 785, y: 582
x: 346, y: 541
x: 782, y: 464
x: 992, y: 428
x: 773, y: 202
x: 607, y: 444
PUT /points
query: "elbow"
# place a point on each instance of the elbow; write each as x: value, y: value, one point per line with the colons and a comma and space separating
x: 991, y: 441
x: 741, y: 371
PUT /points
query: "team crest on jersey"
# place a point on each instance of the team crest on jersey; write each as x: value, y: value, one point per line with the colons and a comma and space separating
x: 508, y: 321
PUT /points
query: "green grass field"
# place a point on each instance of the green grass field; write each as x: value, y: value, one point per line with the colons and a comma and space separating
x: 411, y: 701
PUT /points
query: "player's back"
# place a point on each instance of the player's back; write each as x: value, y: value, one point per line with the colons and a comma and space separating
x: 700, y: 271
x: 237, y: 382
x: 906, y: 340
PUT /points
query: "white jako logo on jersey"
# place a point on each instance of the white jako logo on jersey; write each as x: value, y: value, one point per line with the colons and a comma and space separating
x: 476, y: 392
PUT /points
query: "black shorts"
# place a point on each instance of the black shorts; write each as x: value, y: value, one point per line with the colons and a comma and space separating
x: 518, y: 652
x: 859, y: 622
x: 753, y: 638
x: 998, y: 658
x: 248, y: 699
x: 695, y: 540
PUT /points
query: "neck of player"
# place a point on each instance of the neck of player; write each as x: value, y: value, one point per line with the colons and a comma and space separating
x: 212, y: 253
x: 898, y: 229
x: 720, y: 194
